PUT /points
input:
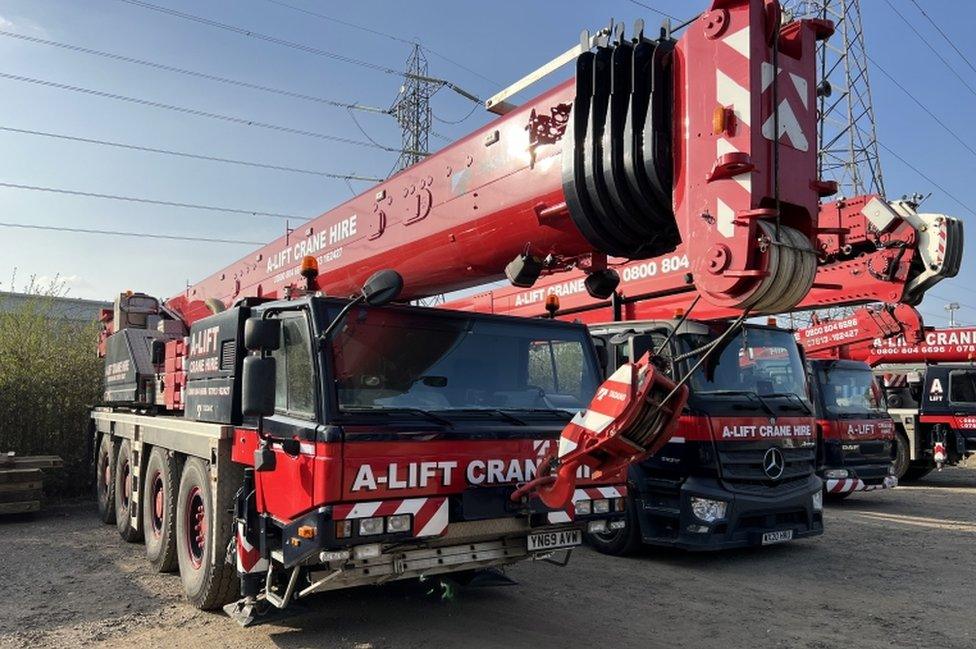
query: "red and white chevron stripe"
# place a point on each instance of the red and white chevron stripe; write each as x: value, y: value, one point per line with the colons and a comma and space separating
x: 848, y: 485
x: 587, y: 493
x: 430, y: 515
x: 249, y: 558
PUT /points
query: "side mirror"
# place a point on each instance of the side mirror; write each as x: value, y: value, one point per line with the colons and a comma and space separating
x: 262, y: 334
x: 258, y: 386
x: 382, y: 288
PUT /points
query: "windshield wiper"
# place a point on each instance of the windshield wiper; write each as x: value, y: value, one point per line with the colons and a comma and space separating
x: 395, y: 409
x: 491, y: 411
x: 787, y: 395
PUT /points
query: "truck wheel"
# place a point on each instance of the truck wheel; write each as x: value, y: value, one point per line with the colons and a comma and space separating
x: 619, y: 543
x: 104, y: 481
x: 902, y: 460
x: 159, y: 510
x: 918, y: 470
x: 125, y: 485
x: 208, y: 580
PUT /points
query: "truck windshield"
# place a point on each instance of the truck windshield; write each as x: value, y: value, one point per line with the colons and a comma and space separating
x: 849, y: 391
x: 395, y: 359
x: 962, y: 386
x: 756, y: 360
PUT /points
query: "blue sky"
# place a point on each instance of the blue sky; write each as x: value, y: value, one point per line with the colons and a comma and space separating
x: 500, y: 41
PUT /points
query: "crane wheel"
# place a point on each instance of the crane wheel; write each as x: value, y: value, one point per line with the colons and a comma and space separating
x: 159, y: 509
x: 104, y: 481
x: 902, y: 457
x: 126, y: 506
x: 201, y: 539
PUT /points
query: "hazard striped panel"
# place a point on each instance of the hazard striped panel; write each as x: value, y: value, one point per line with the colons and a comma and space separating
x: 848, y: 485
x: 430, y: 515
x: 587, y: 493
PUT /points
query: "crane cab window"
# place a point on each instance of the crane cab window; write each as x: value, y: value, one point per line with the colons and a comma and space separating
x: 295, y: 384
x: 962, y: 386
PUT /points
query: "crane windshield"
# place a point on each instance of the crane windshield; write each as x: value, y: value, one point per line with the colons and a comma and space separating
x: 849, y: 391
x: 756, y: 360
x: 442, y: 361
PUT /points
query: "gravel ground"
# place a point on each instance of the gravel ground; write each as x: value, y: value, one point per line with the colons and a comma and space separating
x: 894, y: 569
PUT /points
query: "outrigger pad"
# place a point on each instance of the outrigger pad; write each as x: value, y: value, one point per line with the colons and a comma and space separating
x: 250, y: 612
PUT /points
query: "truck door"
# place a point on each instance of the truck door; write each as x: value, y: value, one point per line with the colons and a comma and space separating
x: 296, y: 418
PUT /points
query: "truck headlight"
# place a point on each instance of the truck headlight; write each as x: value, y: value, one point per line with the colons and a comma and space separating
x: 370, y: 526
x: 708, y: 510
x: 601, y: 506
x: 398, y: 523
x: 583, y: 507
x: 818, y: 501
x: 836, y: 474
x: 597, y: 527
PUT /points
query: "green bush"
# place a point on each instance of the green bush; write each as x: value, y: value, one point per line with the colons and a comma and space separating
x: 49, y: 376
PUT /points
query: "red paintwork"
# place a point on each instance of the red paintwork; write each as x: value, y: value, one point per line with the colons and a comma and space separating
x: 656, y: 289
x: 455, y: 219
x: 851, y: 337
x: 956, y: 345
x: 857, y: 430
x: 956, y: 422
x: 745, y: 429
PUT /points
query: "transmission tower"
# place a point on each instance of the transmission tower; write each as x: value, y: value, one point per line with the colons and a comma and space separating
x: 412, y: 109
x: 847, y: 140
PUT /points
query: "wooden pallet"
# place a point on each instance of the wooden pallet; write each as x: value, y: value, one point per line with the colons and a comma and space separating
x: 22, y: 481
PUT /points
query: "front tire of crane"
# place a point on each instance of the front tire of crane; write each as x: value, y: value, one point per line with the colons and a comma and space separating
x: 125, y: 485
x: 159, y: 509
x: 918, y: 470
x: 105, y: 480
x: 208, y: 580
x: 619, y: 543
x: 902, y: 461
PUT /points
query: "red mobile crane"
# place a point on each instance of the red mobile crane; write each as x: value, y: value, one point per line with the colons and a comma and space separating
x: 368, y: 442
x: 871, y: 250
x: 927, y: 375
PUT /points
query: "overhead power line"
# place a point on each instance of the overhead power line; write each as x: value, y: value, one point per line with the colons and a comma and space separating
x: 151, y: 201
x: 945, y: 191
x: 194, y: 156
x: 310, y: 49
x: 928, y: 44
x: 657, y: 11
x: 120, y: 233
x: 945, y: 36
x: 196, y: 112
x: 925, y: 108
x: 377, y: 32
x: 194, y: 73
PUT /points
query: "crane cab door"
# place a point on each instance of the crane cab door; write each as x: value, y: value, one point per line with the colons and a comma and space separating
x: 287, y: 485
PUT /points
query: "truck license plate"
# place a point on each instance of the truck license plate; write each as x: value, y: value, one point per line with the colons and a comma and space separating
x: 769, y: 538
x: 555, y: 540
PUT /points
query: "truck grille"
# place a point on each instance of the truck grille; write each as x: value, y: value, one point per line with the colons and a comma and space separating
x: 743, y: 468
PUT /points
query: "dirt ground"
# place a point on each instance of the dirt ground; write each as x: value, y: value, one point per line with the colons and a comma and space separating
x: 895, y: 569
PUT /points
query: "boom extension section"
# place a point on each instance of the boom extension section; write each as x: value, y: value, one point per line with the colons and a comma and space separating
x: 855, y: 337
x: 633, y: 414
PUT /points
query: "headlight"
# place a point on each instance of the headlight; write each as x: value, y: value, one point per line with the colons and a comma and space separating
x: 708, y: 510
x: 597, y: 527
x: 601, y: 506
x: 398, y: 523
x: 818, y: 501
x: 370, y: 526
x: 583, y: 507
x: 619, y: 504
x: 836, y: 474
